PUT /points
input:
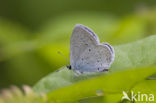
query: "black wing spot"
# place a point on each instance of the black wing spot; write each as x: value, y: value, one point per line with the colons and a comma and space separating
x: 107, y: 59
x: 98, y: 68
x: 89, y: 49
x: 86, y: 44
x: 82, y: 59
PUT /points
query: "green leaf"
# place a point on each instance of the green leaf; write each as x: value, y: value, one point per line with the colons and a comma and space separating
x: 147, y: 87
x: 61, y: 78
x: 113, y: 83
x: 136, y: 54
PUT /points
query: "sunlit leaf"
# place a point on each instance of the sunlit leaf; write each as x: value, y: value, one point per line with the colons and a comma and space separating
x: 136, y: 54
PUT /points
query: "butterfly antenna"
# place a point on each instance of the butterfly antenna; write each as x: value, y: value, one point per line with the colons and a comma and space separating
x: 67, y: 60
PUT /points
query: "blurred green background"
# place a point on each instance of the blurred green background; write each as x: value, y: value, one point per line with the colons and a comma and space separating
x: 33, y: 31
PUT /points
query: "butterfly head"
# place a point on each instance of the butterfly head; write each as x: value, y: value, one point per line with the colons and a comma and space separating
x: 69, y: 67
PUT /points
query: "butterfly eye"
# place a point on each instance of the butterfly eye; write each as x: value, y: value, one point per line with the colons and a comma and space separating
x: 69, y: 67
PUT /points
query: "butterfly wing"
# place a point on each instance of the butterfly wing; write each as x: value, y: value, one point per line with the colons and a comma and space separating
x: 87, y: 54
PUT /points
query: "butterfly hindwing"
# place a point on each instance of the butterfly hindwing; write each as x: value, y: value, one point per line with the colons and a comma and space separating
x: 87, y: 54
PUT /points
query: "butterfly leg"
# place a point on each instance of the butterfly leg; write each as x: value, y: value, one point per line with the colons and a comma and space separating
x: 104, y: 70
x: 77, y: 73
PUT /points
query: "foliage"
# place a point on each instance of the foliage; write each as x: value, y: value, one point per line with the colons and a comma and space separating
x: 133, y: 55
x: 63, y: 86
x: 27, y: 56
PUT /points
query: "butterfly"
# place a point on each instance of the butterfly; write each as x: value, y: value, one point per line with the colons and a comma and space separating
x: 87, y: 54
